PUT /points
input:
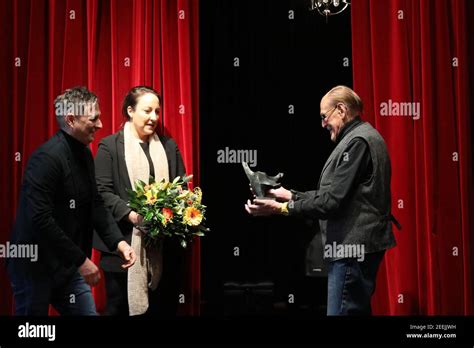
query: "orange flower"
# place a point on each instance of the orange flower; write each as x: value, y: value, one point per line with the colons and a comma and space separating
x: 167, y: 213
x: 192, y: 216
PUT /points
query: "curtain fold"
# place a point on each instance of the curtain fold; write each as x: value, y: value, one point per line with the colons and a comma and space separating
x: 408, y: 54
x: 108, y: 46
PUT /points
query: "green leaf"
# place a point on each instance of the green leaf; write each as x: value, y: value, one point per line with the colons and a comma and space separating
x: 183, y: 243
x: 149, y: 216
x: 139, y: 186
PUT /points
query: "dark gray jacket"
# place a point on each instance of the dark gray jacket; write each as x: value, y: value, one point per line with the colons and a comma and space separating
x: 362, y: 216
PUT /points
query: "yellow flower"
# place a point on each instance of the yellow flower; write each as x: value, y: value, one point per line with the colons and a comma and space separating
x: 192, y: 216
x: 163, y: 185
x: 183, y: 194
x: 198, y: 193
x: 150, y: 198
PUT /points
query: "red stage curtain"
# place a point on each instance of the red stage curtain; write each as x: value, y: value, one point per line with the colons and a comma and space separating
x: 108, y: 46
x: 419, y: 51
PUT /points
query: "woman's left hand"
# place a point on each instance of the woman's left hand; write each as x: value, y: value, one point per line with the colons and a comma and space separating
x: 127, y: 253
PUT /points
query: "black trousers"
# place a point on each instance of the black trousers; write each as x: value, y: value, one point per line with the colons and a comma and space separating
x: 163, y: 302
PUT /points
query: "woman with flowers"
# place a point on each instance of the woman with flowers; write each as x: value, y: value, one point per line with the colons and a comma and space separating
x: 134, y: 153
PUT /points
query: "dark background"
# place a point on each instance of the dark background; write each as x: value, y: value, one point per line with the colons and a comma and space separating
x: 282, y: 62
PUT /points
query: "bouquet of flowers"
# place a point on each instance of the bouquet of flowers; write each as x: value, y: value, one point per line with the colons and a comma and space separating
x: 169, y: 210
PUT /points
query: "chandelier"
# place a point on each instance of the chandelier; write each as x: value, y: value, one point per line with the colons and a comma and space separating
x: 329, y: 7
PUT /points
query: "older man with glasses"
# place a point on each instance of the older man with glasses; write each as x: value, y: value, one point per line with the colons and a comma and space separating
x: 352, y: 203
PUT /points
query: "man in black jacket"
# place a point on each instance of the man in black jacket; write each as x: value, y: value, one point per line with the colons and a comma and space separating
x: 58, y: 209
x: 352, y: 203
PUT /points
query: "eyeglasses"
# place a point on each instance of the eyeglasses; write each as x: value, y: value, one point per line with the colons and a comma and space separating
x: 325, y: 117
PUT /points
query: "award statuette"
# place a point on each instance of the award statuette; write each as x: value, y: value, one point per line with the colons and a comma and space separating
x: 261, y: 181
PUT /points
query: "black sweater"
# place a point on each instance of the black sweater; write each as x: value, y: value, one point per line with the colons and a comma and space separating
x: 59, y: 206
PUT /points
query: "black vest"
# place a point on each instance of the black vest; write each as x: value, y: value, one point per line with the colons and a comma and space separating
x: 365, y: 217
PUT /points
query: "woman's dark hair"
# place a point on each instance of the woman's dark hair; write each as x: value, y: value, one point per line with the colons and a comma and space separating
x: 132, y: 96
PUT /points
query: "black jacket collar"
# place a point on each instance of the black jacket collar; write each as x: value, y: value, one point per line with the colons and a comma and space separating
x: 347, y: 128
x: 73, y: 143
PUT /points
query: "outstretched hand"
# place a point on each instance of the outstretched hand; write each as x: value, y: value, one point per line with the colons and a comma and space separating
x: 263, y: 207
x: 281, y: 194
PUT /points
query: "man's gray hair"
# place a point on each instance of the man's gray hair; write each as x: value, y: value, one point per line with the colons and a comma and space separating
x: 72, y: 101
x: 345, y: 95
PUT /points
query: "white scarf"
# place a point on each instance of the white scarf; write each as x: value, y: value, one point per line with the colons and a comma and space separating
x: 147, y: 269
